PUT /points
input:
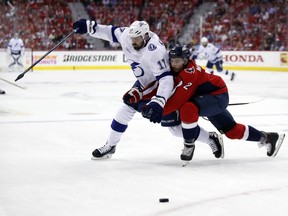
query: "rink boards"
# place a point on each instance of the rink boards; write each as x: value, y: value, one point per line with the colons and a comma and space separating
x: 115, y: 60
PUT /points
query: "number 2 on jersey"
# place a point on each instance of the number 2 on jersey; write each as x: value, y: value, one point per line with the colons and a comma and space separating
x: 187, y: 86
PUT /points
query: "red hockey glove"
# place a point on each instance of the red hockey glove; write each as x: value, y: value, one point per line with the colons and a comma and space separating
x: 134, y: 95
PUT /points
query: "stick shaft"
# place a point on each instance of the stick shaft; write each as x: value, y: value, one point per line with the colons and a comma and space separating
x: 12, y: 83
x: 236, y: 104
x: 52, y: 49
x: 244, y: 103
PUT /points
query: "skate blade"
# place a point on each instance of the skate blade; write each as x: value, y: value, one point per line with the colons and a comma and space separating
x: 108, y: 156
x: 220, y: 138
x: 280, y: 141
x: 185, y: 163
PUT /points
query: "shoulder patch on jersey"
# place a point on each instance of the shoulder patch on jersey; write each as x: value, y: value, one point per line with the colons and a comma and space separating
x: 189, y: 70
x: 122, y: 29
x: 152, y: 47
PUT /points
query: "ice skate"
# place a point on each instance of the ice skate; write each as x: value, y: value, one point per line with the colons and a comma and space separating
x: 232, y: 77
x: 187, y: 153
x: 104, y: 152
x: 272, y: 141
x: 216, y: 144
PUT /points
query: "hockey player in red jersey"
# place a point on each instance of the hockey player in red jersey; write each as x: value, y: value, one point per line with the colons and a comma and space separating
x: 198, y: 93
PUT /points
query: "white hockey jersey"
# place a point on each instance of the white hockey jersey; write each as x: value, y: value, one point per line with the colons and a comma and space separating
x: 16, y: 46
x: 210, y: 52
x: 148, y: 64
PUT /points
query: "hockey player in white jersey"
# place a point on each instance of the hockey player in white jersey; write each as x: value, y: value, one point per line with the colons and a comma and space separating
x: 214, y: 57
x: 15, y: 51
x: 149, y: 62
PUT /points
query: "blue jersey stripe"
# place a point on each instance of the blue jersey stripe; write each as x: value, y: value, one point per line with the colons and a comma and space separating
x: 167, y: 73
x: 113, y: 34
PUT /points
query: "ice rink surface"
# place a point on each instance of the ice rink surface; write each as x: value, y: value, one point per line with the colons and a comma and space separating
x: 48, y: 131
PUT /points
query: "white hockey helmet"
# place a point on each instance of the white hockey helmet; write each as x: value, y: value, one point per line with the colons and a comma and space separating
x: 204, y: 40
x: 138, y: 28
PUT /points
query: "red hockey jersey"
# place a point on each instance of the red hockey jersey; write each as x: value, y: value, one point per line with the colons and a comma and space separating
x: 190, y: 82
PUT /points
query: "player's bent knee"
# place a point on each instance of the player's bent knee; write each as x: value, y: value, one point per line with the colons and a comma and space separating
x: 189, y: 112
x: 237, y: 132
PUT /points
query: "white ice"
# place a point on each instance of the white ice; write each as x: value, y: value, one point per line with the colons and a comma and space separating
x: 48, y: 131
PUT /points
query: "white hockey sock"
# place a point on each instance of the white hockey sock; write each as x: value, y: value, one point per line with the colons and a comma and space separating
x: 203, y: 136
x: 114, y: 137
x: 176, y: 131
x: 123, y: 116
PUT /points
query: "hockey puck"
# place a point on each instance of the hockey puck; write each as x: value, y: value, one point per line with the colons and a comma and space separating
x: 163, y: 200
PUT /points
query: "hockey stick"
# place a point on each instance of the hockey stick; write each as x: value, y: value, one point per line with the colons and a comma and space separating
x: 35, y: 63
x: 22, y: 87
x: 244, y: 103
x: 236, y: 104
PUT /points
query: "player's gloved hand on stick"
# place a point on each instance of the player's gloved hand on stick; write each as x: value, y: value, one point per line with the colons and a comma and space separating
x: 154, y: 109
x: 134, y: 95
x: 84, y: 26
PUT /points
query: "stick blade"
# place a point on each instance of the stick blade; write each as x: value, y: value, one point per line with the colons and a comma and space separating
x: 20, y: 76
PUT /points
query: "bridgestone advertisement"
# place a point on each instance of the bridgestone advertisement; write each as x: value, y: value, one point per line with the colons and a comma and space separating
x: 99, y: 60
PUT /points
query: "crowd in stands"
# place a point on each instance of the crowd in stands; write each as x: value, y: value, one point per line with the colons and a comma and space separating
x: 40, y: 23
x: 166, y: 18
x: 232, y: 25
x: 248, y: 25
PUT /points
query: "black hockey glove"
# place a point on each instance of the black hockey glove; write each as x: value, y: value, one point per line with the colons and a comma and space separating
x: 134, y: 95
x: 84, y: 26
x: 154, y: 109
